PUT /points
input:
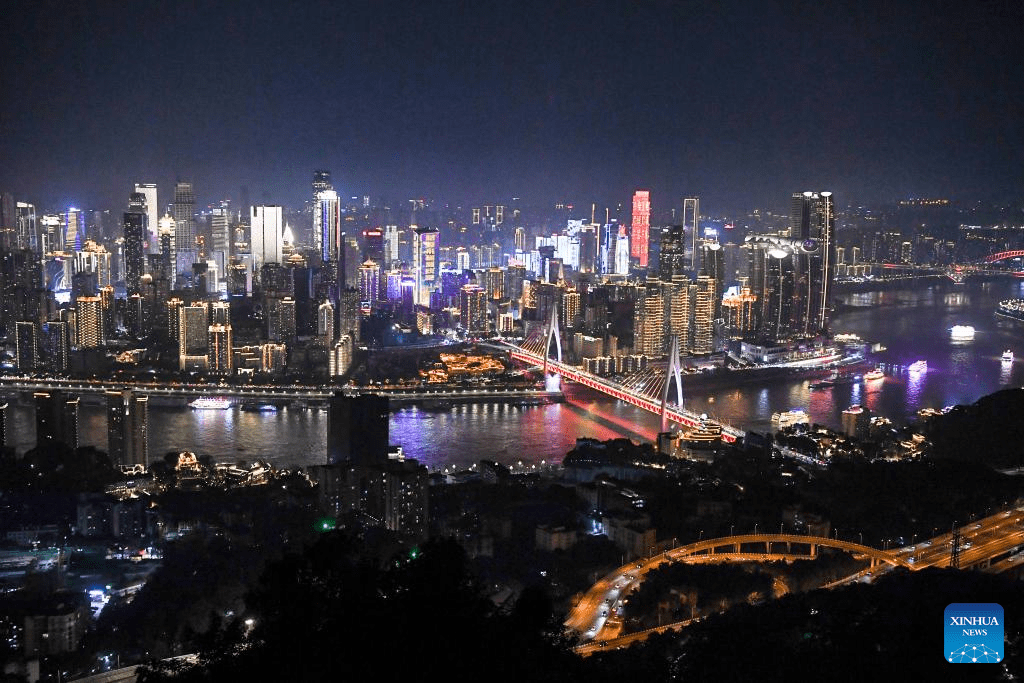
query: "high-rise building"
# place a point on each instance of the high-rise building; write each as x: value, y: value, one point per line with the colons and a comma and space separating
x: 704, y: 315
x: 26, y: 346
x: 327, y: 224
x: 678, y: 309
x: 56, y: 418
x: 128, y: 428
x: 648, y: 320
x: 390, y: 245
x: 369, y: 285
x: 691, y: 222
x: 622, y: 252
x: 641, y: 228
x: 325, y: 322
x: 672, y: 254
x: 812, y: 220
x: 357, y: 430
x: 425, y: 247
x: 135, y: 235
x: 152, y: 210
x: 72, y: 230
x: 218, y: 353
x: 712, y: 260
x: 266, y: 235
x: 341, y: 356
x: 184, y: 228
x: 27, y: 227
x: 57, y: 344
x: 193, y: 336
x: 90, y: 322
x: 473, y: 309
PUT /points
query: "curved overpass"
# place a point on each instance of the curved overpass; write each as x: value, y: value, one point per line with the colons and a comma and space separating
x: 597, y: 605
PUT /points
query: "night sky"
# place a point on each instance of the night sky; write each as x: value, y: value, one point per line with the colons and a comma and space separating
x: 475, y: 102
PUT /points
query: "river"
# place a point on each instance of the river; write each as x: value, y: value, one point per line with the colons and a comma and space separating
x: 911, y: 324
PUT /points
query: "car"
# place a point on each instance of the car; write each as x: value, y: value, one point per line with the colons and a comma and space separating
x: 911, y: 559
x: 967, y: 545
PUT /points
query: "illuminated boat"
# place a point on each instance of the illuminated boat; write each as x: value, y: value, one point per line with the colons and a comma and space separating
x: 961, y: 332
x: 208, y: 403
x: 918, y: 366
x: 1007, y: 356
x: 874, y: 374
x: 1011, y: 308
x: 790, y: 418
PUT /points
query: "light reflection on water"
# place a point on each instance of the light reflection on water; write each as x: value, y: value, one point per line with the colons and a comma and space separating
x: 911, y: 325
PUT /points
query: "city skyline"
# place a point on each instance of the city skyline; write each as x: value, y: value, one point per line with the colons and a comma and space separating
x: 468, y: 103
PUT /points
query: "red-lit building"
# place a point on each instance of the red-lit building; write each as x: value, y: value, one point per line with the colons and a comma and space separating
x: 641, y: 226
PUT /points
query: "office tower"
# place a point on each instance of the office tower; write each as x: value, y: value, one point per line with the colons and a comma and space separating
x: 281, y: 319
x: 72, y: 233
x: 357, y: 429
x: 712, y: 261
x: 184, y: 216
x: 218, y: 354
x: 220, y: 238
x: 691, y: 222
x: 373, y: 241
x: 89, y: 322
x: 325, y: 322
x: 327, y: 224
x: 26, y: 346
x: 135, y: 233
x: 56, y: 419
x: 193, y: 336
x: 812, y: 220
x: 168, y: 248
x: 648, y: 320
x: 776, y: 316
x: 152, y: 210
x: 369, y: 285
x: 265, y: 235
x: 704, y: 315
x: 390, y: 245
x: 341, y: 356
x: 348, y: 313
x: 321, y: 181
x: 622, y: 252
x: 672, y: 255
x: 473, y: 309
x: 127, y: 428
x: 27, y: 227
x: 641, y: 228
x: 425, y: 246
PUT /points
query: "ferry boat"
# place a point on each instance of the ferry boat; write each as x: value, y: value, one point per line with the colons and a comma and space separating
x: 918, y: 366
x: 874, y: 374
x: 790, y: 418
x: 1011, y: 308
x: 1007, y: 356
x: 961, y: 332
x: 208, y: 403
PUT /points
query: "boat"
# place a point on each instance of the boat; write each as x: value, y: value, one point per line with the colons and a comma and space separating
x: 918, y: 366
x: 823, y: 384
x: 961, y: 332
x: 259, y: 408
x: 790, y: 417
x: 1007, y: 356
x: 210, y: 403
x: 874, y: 374
x: 1011, y: 308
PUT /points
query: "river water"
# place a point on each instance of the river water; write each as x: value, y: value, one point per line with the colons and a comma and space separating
x: 911, y: 324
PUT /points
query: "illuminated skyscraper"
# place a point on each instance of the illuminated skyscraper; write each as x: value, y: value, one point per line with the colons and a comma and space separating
x: 72, y: 230
x: 135, y: 234
x: 26, y: 346
x: 266, y: 234
x: 640, y: 235
x: 89, y: 322
x: 218, y: 351
x: 812, y: 220
x: 672, y: 255
x: 193, y: 337
x: 152, y: 210
x: 691, y: 222
x: 184, y: 228
x: 704, y: 315
x: 369, y: 285
x: 473, y: 309
x: 648, y: 320
x: 327, y: 224
x: 325, y: 322
x: 28, y: 228
x: 425, y: 246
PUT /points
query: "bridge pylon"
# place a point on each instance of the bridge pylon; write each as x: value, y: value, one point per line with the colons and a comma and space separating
x: 675, y: 372
x: 552, y: 331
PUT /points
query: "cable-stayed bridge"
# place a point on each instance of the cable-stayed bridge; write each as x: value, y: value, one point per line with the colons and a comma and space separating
x: 648, y: 388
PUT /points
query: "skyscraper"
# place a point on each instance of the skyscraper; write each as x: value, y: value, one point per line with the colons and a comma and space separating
x: 193, y: 339
x: 26, y: 346
x: 327, y: 224
x: 640, y: 237
x: 473, y: 309
x: 691, y: 222
x: 152, y: 210
x: 90, y: 323
x: 56, y: 418
x: 266, y: 234
x: 135, y: 233
x: 812, y: 220
x: 672, y: 255
x: 128, y: 428
x: 425, y: 247
x: 184, y: 228
x: 357, y: 430
x: 648, y: 320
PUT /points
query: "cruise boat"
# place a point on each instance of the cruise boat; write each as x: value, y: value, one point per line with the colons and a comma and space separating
x: 1007, y: 356
x: 874, y: 374
x: 790, y: 418
x: 961, y: 332
x: 1011, y: 308
x: 208, y: 403
x: 918, y: 366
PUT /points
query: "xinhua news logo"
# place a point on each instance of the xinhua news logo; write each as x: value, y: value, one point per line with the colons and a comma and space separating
x: 973, y: 633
